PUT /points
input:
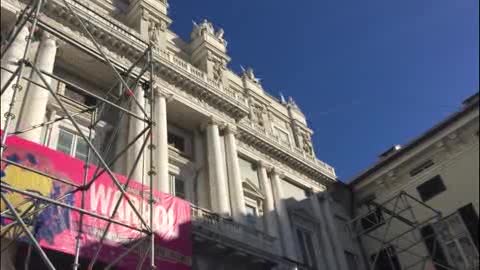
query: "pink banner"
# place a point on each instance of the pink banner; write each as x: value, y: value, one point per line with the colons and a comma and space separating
x: 56, y: 228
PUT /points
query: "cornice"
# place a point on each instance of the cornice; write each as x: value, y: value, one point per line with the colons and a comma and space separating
x: 124, y: 45
x: 311, y: 168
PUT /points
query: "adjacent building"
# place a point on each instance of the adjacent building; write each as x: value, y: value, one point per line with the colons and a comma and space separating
x: 417, y: 207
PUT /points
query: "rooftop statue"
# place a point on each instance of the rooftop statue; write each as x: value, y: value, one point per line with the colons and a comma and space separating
x: 248, y: 74
x: 206, y: 27
x: 292, y: 103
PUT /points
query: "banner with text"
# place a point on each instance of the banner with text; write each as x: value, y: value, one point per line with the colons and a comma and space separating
x: 57, y: 227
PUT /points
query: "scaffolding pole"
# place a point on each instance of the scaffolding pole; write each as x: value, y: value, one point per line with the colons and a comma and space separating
x: 127, y: 79
x: 381, y: 234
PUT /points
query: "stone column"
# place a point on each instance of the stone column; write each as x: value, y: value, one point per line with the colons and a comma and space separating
x: 239, y: 211
x: 9, y: 61
x: 332, y: 231
x: 218, y: 179
x: 135, y: 127
x: 201, y: 184
x: 325, y: 241
x: 269, y: 211
x: 36, y: 99
x: 160, y: 134
x: 283, y: 217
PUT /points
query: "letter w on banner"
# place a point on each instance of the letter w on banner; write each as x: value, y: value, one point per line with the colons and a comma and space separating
x: 56, y: 227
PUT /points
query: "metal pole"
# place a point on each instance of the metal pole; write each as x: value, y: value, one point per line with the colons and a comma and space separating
x: 19, y: 24
x: 90, y: 145
x: 27, y: 213
x: 74, y: 208
x: 78, y: 238
x: 151, y: 148
x: 41, y: 173
x: 17, y: 86
x: 51, y: 121
x: 119, y: 78
x: 117, y: 205
x: 387, y: 229
x: 79, y: 88
x: 7, y: 84
x: 97, y: 174
x: 124, y: 254
x: 28, y: 233
x: 144, y: 257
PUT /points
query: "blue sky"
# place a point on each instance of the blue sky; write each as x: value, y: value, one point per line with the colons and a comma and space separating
x: 367, y: 74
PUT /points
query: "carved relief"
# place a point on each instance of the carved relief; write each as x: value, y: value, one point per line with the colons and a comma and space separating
x: 153, y: 32
x: 258, y: 112
x: 307, y: 144
x: 217, y: 71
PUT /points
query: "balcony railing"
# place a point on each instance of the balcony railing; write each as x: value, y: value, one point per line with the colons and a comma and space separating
x: 207, y: 220
x: 200, y: 75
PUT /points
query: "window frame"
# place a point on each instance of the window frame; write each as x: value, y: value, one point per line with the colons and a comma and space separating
x: 307, y: 245
x: 254, y: 204
x: 173, y: 188
x: 425, y: 197
x: 76, y: 139
x: 455, y: 239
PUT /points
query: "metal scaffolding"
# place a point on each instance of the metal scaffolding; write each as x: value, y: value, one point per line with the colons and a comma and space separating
x: 404, y: 239
x: 139, y: 74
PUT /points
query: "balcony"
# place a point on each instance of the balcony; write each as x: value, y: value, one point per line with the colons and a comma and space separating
x: 215, y: 227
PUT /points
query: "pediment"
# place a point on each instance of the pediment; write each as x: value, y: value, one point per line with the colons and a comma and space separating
x: 250, y: 188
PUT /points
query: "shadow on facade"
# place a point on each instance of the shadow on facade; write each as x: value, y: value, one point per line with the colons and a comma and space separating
x: 109, y: 253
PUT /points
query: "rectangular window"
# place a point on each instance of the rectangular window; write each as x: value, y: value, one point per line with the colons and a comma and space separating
x: 65, y: 142
x: 176, y: 141
x: 251, y: 215
x: 307, y: 248
x: 434, y: 247
x: 457, y: 243
x: 81, y: 149
x: 431, y: 188
x: 179, y: 188
x: 72, y: 145
x: 421, y: 167
x: 373, y: 220
x: 78, y: 96
x: 386, y: 260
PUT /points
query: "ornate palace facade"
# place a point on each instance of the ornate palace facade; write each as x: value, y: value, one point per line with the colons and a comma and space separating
x: 244, y: 159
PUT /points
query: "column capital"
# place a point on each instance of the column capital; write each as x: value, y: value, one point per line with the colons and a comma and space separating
x: 159, y: 92
x: 230, y: 129
x: 265, y: 165
x: 213, y: 120
x: 275, y: 171
x: 51, y: 40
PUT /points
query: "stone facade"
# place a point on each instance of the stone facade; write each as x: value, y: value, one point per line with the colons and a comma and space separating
x: 440, y: 170
x: 208, y: 121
